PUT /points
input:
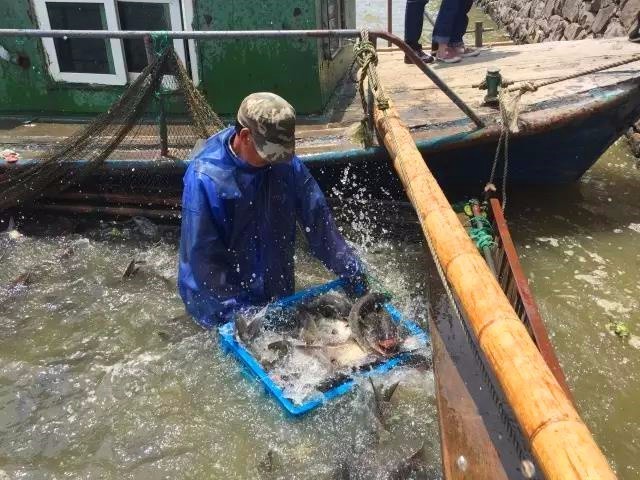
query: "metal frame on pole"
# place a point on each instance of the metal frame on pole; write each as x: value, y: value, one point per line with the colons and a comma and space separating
x: 162, y: 113
x: 264, y: 34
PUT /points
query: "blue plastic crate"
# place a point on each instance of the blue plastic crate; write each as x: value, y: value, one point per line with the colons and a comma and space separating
x: 232, y: 346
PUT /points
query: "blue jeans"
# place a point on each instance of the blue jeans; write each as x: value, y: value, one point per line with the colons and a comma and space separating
x: 452, y: 22
x: 413, y: 18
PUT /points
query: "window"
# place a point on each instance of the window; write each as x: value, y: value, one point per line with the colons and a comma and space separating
x: 147, y: 15
x: 80, y: 59
x: 333, y: 18
x: 109, y: 62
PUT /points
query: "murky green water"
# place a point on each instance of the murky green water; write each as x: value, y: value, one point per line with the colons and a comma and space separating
x: 90, y: 388
x: 580, y: 246
x: 99, y: 380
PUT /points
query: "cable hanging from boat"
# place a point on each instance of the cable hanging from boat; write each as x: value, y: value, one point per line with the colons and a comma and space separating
x: 509, y: 113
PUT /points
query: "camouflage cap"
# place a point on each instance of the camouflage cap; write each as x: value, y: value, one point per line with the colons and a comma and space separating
x: 272, y: 123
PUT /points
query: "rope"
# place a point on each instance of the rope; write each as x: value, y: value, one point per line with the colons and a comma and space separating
x: 509, y: 99
x: 480, y: 229
x: 160, y: 43
x: 481, y: 238
x: 367, y: 58
x: 533, y: 86
x: 509, y: 123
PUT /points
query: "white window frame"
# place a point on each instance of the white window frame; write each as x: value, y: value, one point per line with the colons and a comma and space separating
x: 187, y: 20
x: 181, y: 17
x: 119, y: 77
x: 328, y: 53
x: 175, y: 15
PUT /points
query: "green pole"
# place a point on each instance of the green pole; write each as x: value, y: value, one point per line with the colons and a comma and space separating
x: 162, y: 115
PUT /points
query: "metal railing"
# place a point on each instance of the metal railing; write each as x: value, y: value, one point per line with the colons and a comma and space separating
x: 256, y: 34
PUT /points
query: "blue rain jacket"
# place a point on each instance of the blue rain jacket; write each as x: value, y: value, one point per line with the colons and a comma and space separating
x: 238, y: 231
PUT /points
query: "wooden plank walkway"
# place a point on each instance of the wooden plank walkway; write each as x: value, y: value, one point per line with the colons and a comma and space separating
x: 421, y: 103
x: 420, y: 100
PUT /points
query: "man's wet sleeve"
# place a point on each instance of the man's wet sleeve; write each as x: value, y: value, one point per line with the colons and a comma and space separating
x: 324, y: 238
x: 202, y: 246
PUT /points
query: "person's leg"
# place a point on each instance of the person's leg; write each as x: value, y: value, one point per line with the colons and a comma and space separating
x: 413, y: 20
x: 461, y: 24
x: 444, y: 29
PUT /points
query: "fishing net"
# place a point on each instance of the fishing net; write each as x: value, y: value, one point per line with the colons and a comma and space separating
x: 159, y: 117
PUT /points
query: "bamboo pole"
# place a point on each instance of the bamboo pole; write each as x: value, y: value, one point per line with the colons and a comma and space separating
x: 560, y: 442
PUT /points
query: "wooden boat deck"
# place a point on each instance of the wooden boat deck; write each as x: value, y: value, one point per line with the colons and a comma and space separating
x: 429, y: 113
x: 423, y: 107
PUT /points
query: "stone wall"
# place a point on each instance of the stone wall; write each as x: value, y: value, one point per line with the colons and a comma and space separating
x: 532, y: 21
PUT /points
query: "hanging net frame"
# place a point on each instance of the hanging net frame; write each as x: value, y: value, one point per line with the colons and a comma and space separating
x: 161, y: 103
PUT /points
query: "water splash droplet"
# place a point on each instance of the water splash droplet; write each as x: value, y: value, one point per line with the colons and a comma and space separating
x: 528, y: 468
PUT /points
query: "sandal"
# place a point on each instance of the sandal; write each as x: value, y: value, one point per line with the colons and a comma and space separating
x: 449, y: 56
x: 466, y: 52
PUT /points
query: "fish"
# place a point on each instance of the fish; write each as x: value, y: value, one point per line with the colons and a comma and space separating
x: 382, y: 400
x: 269, y: 464
x: 271, y: 355
x: 371, y: 325
x: 248, y: 326
x: 22, y: 280
x: 414, y: 467
x: 280, y: 347
x: 184, y: 317
x: 373, y: 464
x: 133, y: 268
x: 323, y: 320
x: 66, y: 253
x: 177, y: 328
x: 308, y: 326
x: 329, y: 306
x: 11, y: 231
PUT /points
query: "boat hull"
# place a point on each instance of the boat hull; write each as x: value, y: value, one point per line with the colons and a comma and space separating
x: 554, y: 147
x: 551, y: 149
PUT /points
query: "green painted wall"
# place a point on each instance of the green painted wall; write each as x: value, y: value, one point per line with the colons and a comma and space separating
x: 229, y: 69
x: 32, y: 90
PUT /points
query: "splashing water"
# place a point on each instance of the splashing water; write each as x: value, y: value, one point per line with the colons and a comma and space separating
x: 101, y: 377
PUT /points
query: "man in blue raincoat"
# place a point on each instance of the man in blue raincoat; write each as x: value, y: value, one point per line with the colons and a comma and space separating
x: 243, y: 193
